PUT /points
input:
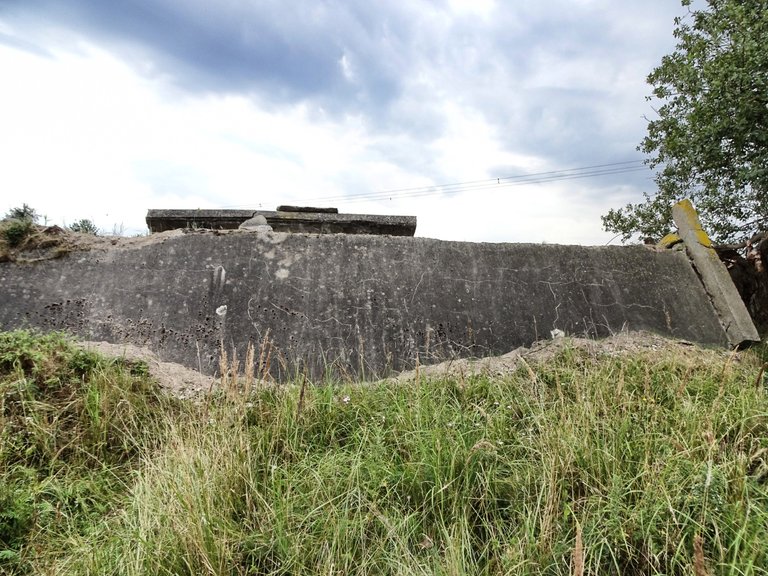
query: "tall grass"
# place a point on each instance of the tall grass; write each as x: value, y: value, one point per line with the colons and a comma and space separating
x: 651, y: 463
x: 73, y: 427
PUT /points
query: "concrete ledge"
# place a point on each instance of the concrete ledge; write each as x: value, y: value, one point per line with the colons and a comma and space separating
x: 294, y: 220
x: 731, y: 310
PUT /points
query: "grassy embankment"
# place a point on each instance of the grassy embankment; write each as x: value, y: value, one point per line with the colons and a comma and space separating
x: 654, y: 463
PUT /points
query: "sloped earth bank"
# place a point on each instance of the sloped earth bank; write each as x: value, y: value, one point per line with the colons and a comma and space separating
x: 184, y: 382
x: 176, y: 379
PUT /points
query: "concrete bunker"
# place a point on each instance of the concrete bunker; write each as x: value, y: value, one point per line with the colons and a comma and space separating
x: 362, y: 305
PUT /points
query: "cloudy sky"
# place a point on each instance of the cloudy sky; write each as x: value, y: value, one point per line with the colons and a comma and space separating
x: 489, y: 120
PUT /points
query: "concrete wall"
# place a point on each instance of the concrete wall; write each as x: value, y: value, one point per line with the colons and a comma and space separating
x: 360, y: 305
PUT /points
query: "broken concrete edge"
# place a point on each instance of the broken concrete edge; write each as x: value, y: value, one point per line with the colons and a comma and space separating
x: 161, y: 220
x: 730, y: 308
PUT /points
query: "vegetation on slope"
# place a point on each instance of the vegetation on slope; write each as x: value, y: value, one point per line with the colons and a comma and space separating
x: 73, y: 429
x: 649, y: 463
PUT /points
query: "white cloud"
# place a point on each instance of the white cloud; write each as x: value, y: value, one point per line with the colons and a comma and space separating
x: 474, y: 7
x: 469, y: 147
x: 68, y: 124
x: 346, y: 67
x: 97, y: 141
x: 407, y: 97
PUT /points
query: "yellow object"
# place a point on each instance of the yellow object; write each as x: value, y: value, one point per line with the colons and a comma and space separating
x: 689, y: 213
x: 669, y: 240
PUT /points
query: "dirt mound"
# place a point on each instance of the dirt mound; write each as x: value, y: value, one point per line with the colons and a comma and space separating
x: 51, y: 242
x: 623, y: 344
x: 174, y: 378
x: 184, y: 382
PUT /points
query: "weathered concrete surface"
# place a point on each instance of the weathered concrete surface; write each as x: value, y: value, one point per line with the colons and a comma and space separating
x: 726, y: 300
x: 356, y: 305
x: 291, y: 220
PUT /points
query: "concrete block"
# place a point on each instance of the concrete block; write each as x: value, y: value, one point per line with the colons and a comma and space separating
x: 730, y: 308
x: 291, y: 219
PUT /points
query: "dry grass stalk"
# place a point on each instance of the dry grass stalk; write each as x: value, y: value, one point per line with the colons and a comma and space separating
x: 699, y: 564
x: 303, y: 391
x: 223, y: 365
x: 249, y: 377
x: 647, y: 383
x: 729, y: 361
x: 265, y: 356
x: 577, y: 568
x: 552, y: 503
x: 759, y: 379
x: 229, y: 369
x: 531, y: 373
x: 231, y: 384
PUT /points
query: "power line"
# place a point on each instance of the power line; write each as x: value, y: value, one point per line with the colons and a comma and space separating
x: 594, y: 171
x: 506, y: 181
x: 484, y: 187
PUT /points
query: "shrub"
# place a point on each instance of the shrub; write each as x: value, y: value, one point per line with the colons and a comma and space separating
x: 84, y: 226
x: 14, y: 231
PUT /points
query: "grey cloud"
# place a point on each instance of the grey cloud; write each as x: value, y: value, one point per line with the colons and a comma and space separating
x: 573, y: 118
x: 284, y: 51
x: 405, y: 59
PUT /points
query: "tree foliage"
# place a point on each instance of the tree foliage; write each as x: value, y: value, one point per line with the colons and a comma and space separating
x: 709, y: 142
x: 23, y: 212
x: 85, y: 226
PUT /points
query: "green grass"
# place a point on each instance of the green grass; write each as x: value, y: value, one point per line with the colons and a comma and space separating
x: 645, y: 456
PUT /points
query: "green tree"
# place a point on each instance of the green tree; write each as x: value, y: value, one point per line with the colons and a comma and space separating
x: 710, y: 140
x: 25, y: 212
x: 85, y: 226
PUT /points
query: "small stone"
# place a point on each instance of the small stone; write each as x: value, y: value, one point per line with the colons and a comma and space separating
x: 257, y: 223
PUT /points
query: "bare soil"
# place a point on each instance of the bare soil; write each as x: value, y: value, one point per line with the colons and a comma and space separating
x: 174, y: 378
x: 51, y: 242
x: 184, y: 382
x: 623, y: 344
